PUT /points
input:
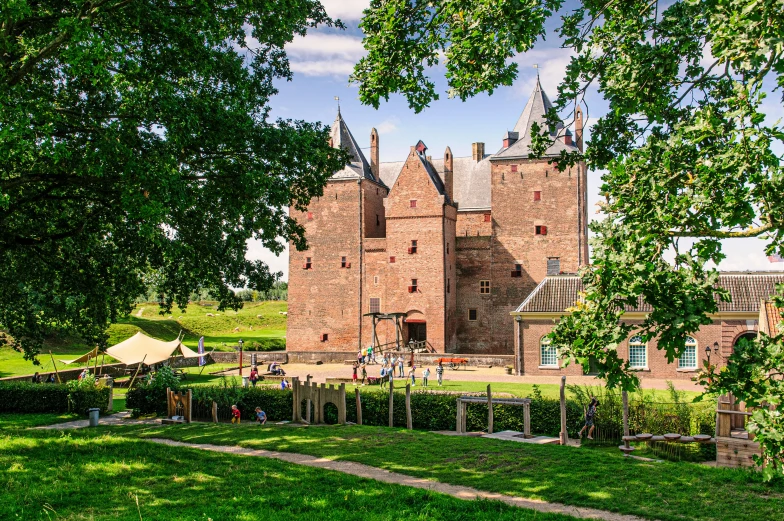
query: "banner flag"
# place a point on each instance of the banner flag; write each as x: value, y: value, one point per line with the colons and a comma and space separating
x: 202, y: 361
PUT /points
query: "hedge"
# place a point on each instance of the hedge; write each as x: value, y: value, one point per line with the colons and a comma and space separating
x: 27, y: 397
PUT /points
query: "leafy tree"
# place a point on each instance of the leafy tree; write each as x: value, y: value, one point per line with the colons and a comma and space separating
x: 134, y: 139
x: 689, y: 157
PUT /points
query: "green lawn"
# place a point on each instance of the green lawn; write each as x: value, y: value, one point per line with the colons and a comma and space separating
x: 102, y: 474
x: 593, y: 477
x: 258, y: 322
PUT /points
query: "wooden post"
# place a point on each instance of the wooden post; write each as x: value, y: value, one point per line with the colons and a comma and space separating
x: 489, y: 411
x: 188, y: 406
x: 110, y: 406
x: 342, y: 404
x: 214, y: 412
x: 527, y: 419
x: 130, y: 385
x: 564, y: 434
x: 103, y: 359
x: 359, y: 407
x: 55, y: 368
x: 295, y: 415
x: 408, y: 407
x: 625, y: 396
x: 464, y: 416
x: 309, y: 404
x: 391, y: 400
x: 459, y: 419
x: 724, y: 421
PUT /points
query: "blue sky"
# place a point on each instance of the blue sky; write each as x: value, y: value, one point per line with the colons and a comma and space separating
x: 323, y: 60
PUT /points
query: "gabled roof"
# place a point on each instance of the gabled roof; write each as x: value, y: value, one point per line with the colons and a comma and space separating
x: 747, y: 289
x: 359, y: 167
x: 535, y: 110
x: 470, y: 180
x: 435, y: 178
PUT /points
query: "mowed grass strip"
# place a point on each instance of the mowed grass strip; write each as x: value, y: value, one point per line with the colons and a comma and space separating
x: 103, y: 476
x: 597, y: 478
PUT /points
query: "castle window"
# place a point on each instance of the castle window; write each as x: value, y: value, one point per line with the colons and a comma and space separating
x: 487, y: 218
x: 413, y: 248
x: 472, y: 315
x: 375, y: 305
x: 688, y: 359
x: 412, y: 202
x: 310, y: 216
x: 514, y: 168
x: 447, y: 247
x: 517, y: 271
x: 378, y: 221
x: 413, y: 287
x: 541, y: 230
x: 375, y: 280
x: 308, y: 264
x: 484, y: 287
x: 344, y: 263
x: 548, y: 354
x: 448, y: 285
x: 537, y: 195
x: 638, y: 353
x: 324, y: 337
x: 392, y: 260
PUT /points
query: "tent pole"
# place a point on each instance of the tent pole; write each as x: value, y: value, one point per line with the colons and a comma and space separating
x: 130, y: 385
x: 205, y: 362
x: 55, y: 368
x: 95, y: 367
x: 103, y: 358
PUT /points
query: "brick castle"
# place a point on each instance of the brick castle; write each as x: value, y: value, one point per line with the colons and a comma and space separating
x: 452, y: 245
x: 473, y: 256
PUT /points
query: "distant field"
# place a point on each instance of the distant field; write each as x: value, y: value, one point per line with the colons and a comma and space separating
x: 259, y: 324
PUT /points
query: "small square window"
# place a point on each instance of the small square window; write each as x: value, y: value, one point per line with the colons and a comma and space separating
x: 484, y: 287
x: 413, y: 202
x: 324, y: 337
x: 343, y: 263
x: 310, y: 216
x: 487, y: 218
x: 517, y: 271
x: 514, y: 168
x: 308, y: 263
x: 413, y: 248
x: 472, y: 314
x: 541, y: 230
x: 392, y: 260
x: 413, y: 287
x: 537, y: 195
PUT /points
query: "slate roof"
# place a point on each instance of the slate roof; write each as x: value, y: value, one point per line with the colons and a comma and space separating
x: 534, y: 111
x: 341, y: 137
x: 470, y: 180
x: 747, y: 291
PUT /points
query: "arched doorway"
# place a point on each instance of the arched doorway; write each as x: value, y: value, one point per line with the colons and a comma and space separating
x: 749, y: 335
x: 416, y: 327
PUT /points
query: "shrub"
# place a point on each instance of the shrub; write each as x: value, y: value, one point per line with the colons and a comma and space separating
x: 24, y: 397
x: 150, y: 395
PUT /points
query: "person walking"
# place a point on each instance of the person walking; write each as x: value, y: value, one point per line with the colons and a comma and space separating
x: 590, y: 415
x: 412, y: 375
x: 400, y: 367
x: 254, y: 376
x: 425, y: 375
x: 364, y: 374
x: 354, y: 373
x: 383, y: 379
x: 440, y: 373
x: 359, y: 357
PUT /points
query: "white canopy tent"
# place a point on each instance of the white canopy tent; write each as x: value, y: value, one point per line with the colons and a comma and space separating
x: 143, y: 349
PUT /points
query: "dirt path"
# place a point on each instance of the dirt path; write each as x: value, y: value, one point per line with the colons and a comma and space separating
x: 365, y: 471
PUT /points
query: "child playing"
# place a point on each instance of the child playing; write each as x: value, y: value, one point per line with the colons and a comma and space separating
x: 261, y: 416
x: 425, y: 374
x: 354, y: 374
x: 235, y: 414
x: 440, y: 373
x: 364, y: 374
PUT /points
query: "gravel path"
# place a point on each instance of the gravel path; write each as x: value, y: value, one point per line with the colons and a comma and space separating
x: 365, y: 471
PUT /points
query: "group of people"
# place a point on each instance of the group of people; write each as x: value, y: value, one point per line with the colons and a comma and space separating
x: 388, y: 372
x: 275, y: 369
x: 236, y: 415
x: 38, y: 379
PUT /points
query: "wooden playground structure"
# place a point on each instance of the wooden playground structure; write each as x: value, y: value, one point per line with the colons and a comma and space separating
x: 735, y: 446
x: 316, y: 397
x: 179, y: 407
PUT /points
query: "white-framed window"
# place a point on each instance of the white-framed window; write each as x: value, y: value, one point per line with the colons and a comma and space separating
x: 548, y: 353
x: 638, y: 353
x: 689, y: 358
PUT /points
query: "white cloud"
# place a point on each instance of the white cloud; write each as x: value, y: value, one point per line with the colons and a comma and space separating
x: 257, y: 251
x: 345, y: 9
x: 388, y: 126
x: 318, y: 54
x: 552, y: 64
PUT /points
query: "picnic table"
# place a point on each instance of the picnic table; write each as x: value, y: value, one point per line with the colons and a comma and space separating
x: 453, y: 363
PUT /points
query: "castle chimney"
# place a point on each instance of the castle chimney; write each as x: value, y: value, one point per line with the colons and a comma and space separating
x: 478, y: 151
x: 374, y: 153
x: 578, y: 128
x: 448, y: 173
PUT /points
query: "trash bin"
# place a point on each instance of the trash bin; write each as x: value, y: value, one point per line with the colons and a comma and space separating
x: 245, y: 381
x: 93, y: 413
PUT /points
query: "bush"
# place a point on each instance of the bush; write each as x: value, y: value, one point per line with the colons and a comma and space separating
x: 150, y: 395
x: 24, y: 397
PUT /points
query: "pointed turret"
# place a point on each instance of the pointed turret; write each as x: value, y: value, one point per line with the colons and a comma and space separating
x: 340, y: 136
x: 517, y: 143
